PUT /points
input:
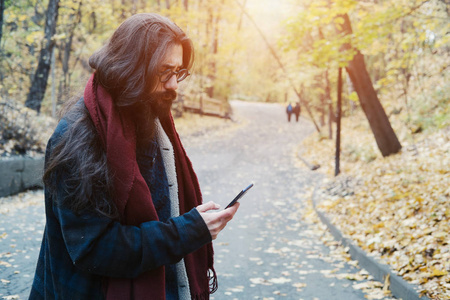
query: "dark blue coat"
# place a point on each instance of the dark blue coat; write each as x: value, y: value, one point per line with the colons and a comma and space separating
x: 80, y: 250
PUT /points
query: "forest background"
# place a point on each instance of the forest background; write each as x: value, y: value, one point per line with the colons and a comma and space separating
x: 274, y: 51
x: 395, y: 53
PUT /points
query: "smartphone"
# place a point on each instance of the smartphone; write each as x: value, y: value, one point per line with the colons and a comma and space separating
x: 239, y: 196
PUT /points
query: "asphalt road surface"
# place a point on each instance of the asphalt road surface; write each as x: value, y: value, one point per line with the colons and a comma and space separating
x: 266, y: 252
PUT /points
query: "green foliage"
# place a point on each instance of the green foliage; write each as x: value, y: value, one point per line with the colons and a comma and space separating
x: 405, y: 44
x: 433, y: 110
x: 210, y: 24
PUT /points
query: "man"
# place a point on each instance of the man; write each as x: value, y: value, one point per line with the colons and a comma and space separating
x: 289, y: 111
x: 124, y: 212
x: 297, y: 111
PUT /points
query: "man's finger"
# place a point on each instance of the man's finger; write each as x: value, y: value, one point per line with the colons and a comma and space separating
x: 207, y: 206
x: 233, y: 208
x: 229, y: 212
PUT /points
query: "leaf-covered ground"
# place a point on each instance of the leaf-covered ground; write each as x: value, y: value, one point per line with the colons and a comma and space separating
x: 396, y: 208
x: 362, y: 280
x: 16, y: 269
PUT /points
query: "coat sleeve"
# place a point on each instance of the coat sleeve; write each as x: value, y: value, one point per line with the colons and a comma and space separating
x: 101, y: 246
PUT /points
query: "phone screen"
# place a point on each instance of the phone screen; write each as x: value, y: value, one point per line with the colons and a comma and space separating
x: 239, y: 196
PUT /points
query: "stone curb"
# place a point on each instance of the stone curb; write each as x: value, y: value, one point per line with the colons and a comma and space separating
x: 20, y: 173
x: 399, y: 287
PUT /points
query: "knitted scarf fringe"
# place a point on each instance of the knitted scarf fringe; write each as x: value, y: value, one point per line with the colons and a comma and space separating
x: 212, y: 279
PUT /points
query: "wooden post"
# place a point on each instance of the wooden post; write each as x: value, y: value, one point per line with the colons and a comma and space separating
x: 338, y: 123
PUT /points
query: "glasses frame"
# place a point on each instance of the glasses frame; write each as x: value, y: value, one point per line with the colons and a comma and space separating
x: 171, y: 72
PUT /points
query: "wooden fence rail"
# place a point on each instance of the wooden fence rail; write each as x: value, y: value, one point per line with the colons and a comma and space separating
x: 203, y: 105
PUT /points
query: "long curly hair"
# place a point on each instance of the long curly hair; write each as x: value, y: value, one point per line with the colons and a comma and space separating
x: 77, y: 166
x: 127, y: 67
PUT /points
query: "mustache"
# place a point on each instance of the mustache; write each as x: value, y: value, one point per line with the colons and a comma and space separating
x: 170, y: 95
x: 166, y: 95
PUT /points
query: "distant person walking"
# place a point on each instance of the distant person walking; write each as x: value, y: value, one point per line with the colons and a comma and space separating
x: 297, y: 111
x: 289, y: 111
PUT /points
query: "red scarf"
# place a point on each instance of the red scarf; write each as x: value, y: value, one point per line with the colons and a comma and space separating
x: 134, y: 201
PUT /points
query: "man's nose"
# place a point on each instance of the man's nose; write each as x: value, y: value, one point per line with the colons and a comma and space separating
x: 172, y: 83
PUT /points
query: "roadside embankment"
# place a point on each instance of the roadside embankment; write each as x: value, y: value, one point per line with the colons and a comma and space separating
x: 18, y: 173
x: 397, y: 208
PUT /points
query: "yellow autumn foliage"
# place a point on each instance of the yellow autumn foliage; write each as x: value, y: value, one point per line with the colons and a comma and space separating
x: 396, y: 208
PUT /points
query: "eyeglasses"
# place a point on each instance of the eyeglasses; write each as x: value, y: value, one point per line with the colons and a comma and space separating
x: 167, y: 74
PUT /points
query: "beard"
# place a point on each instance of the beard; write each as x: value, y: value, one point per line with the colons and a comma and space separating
x: 161, y: 102
x: 157, y: 105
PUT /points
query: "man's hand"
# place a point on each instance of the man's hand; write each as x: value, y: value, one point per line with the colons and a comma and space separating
x: 216, y: 221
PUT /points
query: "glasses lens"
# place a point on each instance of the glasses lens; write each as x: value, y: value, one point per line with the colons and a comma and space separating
x: 182, y: 74
x: 165, y: 76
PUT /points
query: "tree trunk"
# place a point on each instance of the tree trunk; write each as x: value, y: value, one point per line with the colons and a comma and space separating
x: 337, y: 167
x: 322, y: 109
x: 53, y: 85
x: 92, y: 22
x: 134, y: 7
x: 39, y: 84
x: 214, y: 49
x: 230, y: 72
x: 2, y: 9
x: 385, y: 136
x: 66, y: 46
x: 213, y: 29
x: 330, y: 105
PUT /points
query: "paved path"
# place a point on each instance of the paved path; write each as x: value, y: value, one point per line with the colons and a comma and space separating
x: 22, y: 221
x: 266, y: 252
